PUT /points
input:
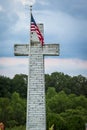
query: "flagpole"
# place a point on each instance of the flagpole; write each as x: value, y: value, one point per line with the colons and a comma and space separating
x: 30, y: 21
x: 29, y: 46
x: 29, y: 55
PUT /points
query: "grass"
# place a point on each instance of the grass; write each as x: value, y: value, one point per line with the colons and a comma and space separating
x: 16, y: 128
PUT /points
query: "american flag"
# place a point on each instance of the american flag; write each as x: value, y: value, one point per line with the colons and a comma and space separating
x: 35, y: 28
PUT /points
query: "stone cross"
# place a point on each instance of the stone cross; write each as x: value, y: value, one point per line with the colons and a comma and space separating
x: 86, y: 126
x: 36, y: 111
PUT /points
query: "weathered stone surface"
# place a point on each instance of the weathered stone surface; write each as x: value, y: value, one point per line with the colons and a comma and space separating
x: 47, y: 49
x: 36, y: 93
x: 36, y: 111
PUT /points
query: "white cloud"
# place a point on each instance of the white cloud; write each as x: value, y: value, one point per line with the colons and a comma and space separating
x: 21, y: 24
x: 12, y: 61
x: 32, y: 2
x: 59, y: 26
x: 24, y: 2
x: 43, y: 2
x: 62, y: 25
x: 1, y: 8
x: 11, y: 66
x: 68, y: 66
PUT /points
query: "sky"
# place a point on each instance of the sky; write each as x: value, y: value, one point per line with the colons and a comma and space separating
x: 65, y: 22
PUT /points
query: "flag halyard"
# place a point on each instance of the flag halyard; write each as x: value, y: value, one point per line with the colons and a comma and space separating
x: 35, y: 28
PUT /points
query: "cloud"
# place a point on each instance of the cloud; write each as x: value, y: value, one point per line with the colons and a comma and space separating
x: 32, y: 2
x: 65, y: 22
x: 12, y: 61
x: 1, y: 8
x: 60, y: 25
x: 11, y: 66
x: 43, y: 2
x: 67, y: 30
x: 76, y: 8
x: 68, y: 66
x: 13, y: 28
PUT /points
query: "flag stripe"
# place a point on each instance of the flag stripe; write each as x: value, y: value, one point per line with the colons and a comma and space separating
x: 35, y: 28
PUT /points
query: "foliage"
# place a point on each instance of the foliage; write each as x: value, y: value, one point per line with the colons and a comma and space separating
x: 66, y: 111
x: 17, y: 128
x: 19, y: 84
x: 5, y: 86
x: 75, y: 118
x: 75, y: 84
x: 13, y: 111
x: 66, y: 101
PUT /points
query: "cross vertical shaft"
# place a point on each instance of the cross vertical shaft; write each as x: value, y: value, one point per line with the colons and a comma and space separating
x: 36, y: 119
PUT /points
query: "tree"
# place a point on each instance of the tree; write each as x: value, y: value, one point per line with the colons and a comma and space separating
x: 75, y: 118
x: 79, y: 85
x: 51, y: 92
x: 13, y: 111
x: 19, y: 108
x: 60, y: 81
x: 59, y: 103
x: 19, y: 83
x: 66, y: 111
x: 76, y: 84
x: 56, y: 120
x: 47, y: 81
x: 5, y: 86
x: 4, y: 114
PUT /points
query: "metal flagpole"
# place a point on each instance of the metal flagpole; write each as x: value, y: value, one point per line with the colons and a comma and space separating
x: 29, y: 55
x: 29, y: 47
x: 30, y: 44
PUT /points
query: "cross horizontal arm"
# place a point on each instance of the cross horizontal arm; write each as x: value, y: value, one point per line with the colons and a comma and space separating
x: 51, y: 49
x: 47, y: 49
x: 21, y: 49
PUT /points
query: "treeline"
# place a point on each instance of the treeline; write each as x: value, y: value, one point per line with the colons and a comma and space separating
x: 66, y: 101
x: 17, y: 84
x: 60, y: 81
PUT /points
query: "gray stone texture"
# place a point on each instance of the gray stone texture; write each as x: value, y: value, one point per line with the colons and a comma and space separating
x: 36, y: 111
